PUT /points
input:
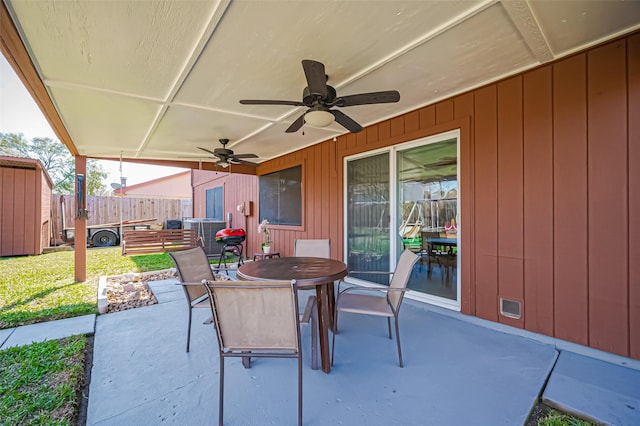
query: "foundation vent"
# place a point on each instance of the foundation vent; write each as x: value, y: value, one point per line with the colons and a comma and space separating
x: 510, y: 308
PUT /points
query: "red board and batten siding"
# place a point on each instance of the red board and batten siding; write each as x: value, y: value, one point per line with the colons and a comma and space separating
x: 538, y: 200
x: 238, y: 188
x: 570, y: 240
x: 24, y: 219
x: 485, y: 214
x: 510, y: 194
x: 607, y: 168
x: 633, y: 118
x: 549, y: 191
x: 463, y: 110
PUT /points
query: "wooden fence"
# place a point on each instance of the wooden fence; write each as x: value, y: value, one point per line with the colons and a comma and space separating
x: 108, y: 210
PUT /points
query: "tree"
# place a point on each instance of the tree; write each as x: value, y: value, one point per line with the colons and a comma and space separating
x: 55, y: 159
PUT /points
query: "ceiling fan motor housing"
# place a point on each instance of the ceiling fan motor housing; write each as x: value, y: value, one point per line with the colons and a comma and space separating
x: 310, y: 99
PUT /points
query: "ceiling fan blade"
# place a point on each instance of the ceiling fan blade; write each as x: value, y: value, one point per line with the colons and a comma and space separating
x: 248, y: 163
x: 368, y: 98
x: 245, y: 156
x: 206, y: 150
x: 346, y: 121
x: 296, y: 125
x: 316, y: 78
x: 269, y: 102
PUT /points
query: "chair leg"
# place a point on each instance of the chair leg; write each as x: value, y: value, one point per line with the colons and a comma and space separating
x: 221, y: 396
x: 335, y: 331
x: 246, y: 360
x: 189, y: 329
x: 398, y: 340
x: 299, y: 390
x: 389, y: 326
x: 314, y: 337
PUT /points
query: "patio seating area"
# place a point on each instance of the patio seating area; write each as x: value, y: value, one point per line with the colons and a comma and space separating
x: 454, y: 373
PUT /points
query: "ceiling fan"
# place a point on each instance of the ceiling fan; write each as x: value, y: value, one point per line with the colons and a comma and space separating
x: 226, y: 157
x: 319, y: 97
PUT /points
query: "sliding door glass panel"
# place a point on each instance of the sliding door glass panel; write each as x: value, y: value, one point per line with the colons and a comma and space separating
x: 368, y: 204
x: 427, y: 212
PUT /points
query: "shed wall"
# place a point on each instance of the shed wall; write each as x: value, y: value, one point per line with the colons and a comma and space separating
x: 24, y: 224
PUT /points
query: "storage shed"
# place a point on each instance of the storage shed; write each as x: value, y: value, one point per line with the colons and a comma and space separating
x: 25, y: 204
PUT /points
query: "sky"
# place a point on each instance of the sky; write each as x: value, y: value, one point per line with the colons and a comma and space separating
x: 20, y: 114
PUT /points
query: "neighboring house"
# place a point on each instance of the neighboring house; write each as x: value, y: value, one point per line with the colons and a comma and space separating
x: 25, y: 199
x: 545, y: 172
x: 174, y: 186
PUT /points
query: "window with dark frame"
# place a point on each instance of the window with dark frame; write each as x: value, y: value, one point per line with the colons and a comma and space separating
x: 281, y: 197
x: 215, y: 203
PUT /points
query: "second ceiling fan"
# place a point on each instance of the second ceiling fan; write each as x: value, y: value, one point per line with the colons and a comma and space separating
x: 226, y: 157
x: 319, y: 98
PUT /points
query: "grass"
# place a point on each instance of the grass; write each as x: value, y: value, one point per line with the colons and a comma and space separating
x: 42, y: 288
x: 40, y: 383
x: 556, y: 418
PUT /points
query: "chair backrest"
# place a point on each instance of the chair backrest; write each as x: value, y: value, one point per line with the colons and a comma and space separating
x: 192, y: 266
x: 401, y: 276
x: 256, y: 315
x: 312, y: 248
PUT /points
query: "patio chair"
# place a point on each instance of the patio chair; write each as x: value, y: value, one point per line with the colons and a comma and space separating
x: 193, y: 266
x: 269, y: 332
x: 312, y: 248
x: 387, y: 304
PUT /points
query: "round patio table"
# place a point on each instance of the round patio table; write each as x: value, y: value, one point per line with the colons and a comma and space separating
x: 308, y: 272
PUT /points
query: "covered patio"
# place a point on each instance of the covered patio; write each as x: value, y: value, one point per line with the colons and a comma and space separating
x: 541, y: 99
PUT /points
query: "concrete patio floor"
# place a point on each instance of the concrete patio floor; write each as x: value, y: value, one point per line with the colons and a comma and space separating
x: 459, y: 370
x: 455, y: 373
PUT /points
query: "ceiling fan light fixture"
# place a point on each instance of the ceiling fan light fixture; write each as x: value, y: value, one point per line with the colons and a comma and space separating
x: 223, y: 164
x: 318, y: 118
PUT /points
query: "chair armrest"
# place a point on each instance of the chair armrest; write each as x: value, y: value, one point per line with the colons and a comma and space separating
x: 363, y: 272
x: 365, y: 289
x: 385, y: 290
x: 189, y: 284
x: 371, y: 272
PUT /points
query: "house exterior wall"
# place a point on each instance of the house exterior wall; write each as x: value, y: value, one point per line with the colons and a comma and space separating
x: 24, y: 220
x: 549, y: 194
x: 173, y: 186
x: 238, y: 188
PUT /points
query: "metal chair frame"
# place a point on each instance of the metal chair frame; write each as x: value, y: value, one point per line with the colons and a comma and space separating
x: 393, y: 296
x: 241, y: 352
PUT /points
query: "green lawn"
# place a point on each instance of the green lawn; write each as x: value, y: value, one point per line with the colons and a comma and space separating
x: 42, y: 288
x: 556, y: 418
x: 41, y: 383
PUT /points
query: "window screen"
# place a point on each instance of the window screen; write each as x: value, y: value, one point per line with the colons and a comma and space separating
x: 281, y: 197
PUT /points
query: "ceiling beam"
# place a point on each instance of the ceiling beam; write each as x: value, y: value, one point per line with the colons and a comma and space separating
x: 525, y: 21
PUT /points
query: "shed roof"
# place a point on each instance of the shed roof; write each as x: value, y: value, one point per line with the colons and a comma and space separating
x: 24, y: 163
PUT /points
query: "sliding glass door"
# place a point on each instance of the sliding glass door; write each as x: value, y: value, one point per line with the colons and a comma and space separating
x: 367, y: 215
x: 427, y: 206
x: 407, y: 197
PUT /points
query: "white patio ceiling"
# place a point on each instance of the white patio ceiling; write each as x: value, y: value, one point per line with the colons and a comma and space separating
x: 157, y: 79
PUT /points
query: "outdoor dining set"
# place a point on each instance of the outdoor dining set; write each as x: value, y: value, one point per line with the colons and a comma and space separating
x: 259, y: 315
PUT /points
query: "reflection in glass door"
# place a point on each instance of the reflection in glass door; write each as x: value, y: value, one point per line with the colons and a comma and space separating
x: 427, y: 214
x: 367, y: 208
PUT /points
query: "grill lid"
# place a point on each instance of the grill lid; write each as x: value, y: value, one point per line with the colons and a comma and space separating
x: 228, y: 235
